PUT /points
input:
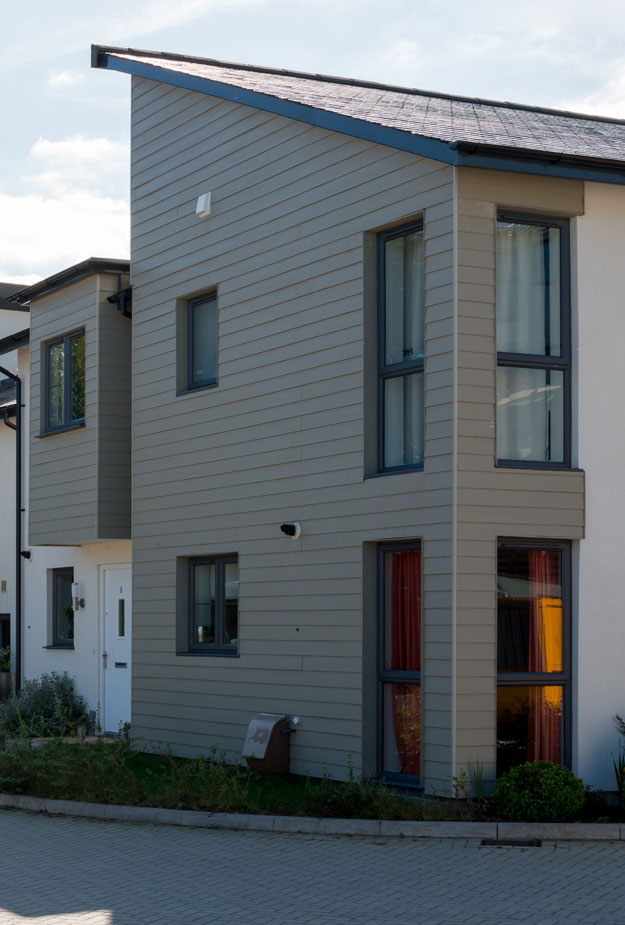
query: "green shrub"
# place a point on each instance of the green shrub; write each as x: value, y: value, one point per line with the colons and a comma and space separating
x: 5, y: 658
x: 539, y: 791
x: 45, y: 706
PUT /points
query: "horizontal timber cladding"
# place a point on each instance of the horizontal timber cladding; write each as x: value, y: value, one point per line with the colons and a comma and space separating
x: 289, y: 248
x: 80, y: 478
x: 494, y: 502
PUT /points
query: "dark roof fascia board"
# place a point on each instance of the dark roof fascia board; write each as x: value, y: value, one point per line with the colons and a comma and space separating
x: 14, y: 341
x: 334, y: 122
x: 74, y: 274
x: 454, y: 153
x: 12, y: 307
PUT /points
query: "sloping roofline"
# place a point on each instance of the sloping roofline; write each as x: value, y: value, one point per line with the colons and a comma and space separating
x: 13, y: 341
x: 457, y: 153
x: 72, y: 274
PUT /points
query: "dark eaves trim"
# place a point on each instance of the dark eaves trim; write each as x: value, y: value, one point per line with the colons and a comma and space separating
x: 12, y: 307
x: 14, y: 341
x: 455, y: 153
x: 72, y: 274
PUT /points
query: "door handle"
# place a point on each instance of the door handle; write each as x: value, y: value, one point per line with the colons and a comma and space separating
x: 105, y: 655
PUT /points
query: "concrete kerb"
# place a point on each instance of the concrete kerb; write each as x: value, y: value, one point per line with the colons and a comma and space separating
x: 305, y: 825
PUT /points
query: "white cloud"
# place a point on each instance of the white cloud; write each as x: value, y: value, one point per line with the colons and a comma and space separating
x: 80, y: 150
x: 608, y: 100
x: 43, y: 234
x: 61, y: 79
x: 22, y: 279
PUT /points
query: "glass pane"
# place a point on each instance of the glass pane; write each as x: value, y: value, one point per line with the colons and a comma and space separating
x: 528, y: 289
x: 77, y: 345
x: 63, y: 610
x: 529, y: 610
x: 121, y: 617
x: 402, y: 729
x: 231, y: 603
x: 56, y: 385
x: 204, y: 346
x: 403, y: 421
x: 402, y: 610
x: 530, y: 414
x: 529, y: 725
x: 404, y: 298
x: 204, y: 603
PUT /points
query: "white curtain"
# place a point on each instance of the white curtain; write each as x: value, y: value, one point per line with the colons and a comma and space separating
x: 404, y: 298
x: 528, y: 289
x: 403, y: 420
x: 530, y: 414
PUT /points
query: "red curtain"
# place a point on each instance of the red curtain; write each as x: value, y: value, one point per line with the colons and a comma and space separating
x: 545, y: 654
x: 405, y: 644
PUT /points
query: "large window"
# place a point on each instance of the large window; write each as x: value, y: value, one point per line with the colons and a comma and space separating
x: 214, y: 605
x: 533, y: 343
x: 399, y: 671
x: 202, y: 341
x: 533, y: 653
x: 62, y: 610
x: 400, y: 349
x: 65, y: 381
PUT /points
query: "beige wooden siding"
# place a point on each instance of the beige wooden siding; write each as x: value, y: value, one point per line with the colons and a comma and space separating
x: 281, y: 438
x: 79, y: 479
x: 493, y: 502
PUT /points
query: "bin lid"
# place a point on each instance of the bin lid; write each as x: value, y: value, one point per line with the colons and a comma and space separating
x: 259, y: 732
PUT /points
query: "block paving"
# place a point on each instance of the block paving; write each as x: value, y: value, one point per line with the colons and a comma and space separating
x: 73, y: 871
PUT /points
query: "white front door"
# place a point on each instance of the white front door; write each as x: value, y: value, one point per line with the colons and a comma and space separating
x: 116, y: 655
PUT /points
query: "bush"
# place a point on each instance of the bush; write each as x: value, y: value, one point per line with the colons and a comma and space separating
x: 539, y: 791
x: 46, y: 706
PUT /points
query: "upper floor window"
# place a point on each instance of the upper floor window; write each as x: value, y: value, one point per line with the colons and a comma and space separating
x: 202, y: 341
x: 65, y: 381
x: 400, y: 348
x: 533, y: 342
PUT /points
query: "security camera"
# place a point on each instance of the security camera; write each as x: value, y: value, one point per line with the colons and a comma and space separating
x: 293, y: 530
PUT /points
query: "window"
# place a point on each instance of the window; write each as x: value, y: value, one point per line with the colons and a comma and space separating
x: 400, y: 349
x: 533, y: 343
x: 399, y: 671
x: 62, y: 610
x: 202, y: 341
x: 214, y: 605
x: 533, y: 653
x: 65, y: 381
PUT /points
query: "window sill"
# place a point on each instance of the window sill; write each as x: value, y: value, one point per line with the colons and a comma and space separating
x: 203, y: 654
x: 542, y: 466
x: 385, y: 472
x: 61, y: 430
x: 192, y: 389
x: 62, y: 647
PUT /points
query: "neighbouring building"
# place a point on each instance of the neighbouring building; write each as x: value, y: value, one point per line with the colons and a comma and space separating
x: 76, y: 596
x: 388, y: 321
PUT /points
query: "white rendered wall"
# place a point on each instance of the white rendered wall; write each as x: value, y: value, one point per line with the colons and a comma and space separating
x: 601, y: 448
x: 83, y: 662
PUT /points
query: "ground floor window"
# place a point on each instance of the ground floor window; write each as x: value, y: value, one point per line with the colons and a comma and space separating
x: 214, y: 605
x: 399, y: 665
x: 62, y: 609
x: 533, y: 653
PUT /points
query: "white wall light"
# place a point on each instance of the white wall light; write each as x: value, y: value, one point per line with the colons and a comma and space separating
x: 203, y: 206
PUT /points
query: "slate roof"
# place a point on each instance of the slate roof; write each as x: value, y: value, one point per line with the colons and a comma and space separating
x: 451, y: 120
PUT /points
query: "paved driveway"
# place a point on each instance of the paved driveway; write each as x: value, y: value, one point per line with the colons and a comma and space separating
x: 63, y: 871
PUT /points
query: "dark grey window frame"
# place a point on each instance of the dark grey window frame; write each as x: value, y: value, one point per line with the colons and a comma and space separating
x: 57, y: 641
x: 562, y: 678
x: 68, y: 423
x: 548, y: 363
x: 396, y: 370
x: 191, y: 305
x: 398, y: 677
x: 217, y: 647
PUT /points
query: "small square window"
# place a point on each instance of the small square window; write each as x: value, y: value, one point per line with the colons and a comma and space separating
x: 202, y: 341
x: 62, y: 610
x: 65, y: 381
x: 214, y: 605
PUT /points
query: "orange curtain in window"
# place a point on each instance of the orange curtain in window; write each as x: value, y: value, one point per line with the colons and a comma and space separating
x: 406, y: 655
x: 545, y: 653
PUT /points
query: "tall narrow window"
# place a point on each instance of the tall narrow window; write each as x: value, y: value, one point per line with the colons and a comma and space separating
x: 202, y: 340
x: 62, y: 610
x: 400, y: 348
x: 65, y: 381
x: 214, y: 605
x: 399, y: 672
x: 533, y: 661
x: 533, y: 344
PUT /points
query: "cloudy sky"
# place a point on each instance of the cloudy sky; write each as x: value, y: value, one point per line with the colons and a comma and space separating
x: 64, y: 153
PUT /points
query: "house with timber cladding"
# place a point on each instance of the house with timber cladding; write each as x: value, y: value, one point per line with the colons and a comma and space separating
x: 393, y: 318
